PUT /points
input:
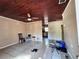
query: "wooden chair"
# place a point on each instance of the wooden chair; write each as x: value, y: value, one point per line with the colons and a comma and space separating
x: 21, y: 38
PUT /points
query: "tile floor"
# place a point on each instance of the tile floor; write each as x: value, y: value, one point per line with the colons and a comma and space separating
x: 23, y: 51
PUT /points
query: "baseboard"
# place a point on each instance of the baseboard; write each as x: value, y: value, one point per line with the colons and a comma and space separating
x: 8, y: 45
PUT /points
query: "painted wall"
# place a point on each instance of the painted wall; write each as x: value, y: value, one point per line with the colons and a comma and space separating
x: 77, y: 16
x: 35, y: 29
x: 9, y: 30
x: 55, y: 31
x: 70, y: 29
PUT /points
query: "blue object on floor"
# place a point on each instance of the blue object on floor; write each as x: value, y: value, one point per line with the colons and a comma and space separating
x: 61, y: 44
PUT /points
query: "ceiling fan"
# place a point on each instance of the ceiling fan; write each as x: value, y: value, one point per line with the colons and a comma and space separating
x: 28, y: 17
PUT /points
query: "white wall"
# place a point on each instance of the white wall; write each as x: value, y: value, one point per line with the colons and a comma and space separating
x: 70, y: 29
x: 55, y: 31
x: 35, y: 28
x: 9, y: 30
x: 77, y: 16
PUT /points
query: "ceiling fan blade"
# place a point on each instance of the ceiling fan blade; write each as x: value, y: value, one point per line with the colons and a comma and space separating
x: 35, y: 18
x: 22, y: 17
x: 28, y: 14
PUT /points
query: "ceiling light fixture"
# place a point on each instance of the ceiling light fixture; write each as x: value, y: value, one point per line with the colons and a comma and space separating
x: 29, y: 19
x: 61, y: 1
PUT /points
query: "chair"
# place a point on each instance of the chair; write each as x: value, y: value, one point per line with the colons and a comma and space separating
x: 21, y: 38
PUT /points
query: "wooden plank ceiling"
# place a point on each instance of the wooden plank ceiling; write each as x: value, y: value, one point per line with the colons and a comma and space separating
x: 19, y: 8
